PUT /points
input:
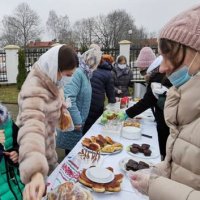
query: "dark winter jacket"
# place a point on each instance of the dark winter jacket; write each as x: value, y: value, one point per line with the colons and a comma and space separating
x: 150, y: 101
x: 102, y: 84
x: 122, y: 80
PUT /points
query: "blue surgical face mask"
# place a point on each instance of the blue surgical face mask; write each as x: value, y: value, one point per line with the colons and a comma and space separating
x: 182, y: 75
x: 179, y: 77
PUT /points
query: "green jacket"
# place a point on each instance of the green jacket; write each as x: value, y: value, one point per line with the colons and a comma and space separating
x: 10, y: 184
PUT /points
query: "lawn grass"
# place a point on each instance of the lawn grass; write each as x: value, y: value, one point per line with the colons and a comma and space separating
x: 8, y: 93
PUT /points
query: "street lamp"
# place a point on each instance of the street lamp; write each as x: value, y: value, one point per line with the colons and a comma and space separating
x: 130, y: 32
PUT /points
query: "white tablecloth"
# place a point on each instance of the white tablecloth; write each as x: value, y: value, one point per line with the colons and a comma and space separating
x: 127, y: 192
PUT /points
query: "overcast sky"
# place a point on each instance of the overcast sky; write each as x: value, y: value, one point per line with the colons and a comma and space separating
x: 151, y: 14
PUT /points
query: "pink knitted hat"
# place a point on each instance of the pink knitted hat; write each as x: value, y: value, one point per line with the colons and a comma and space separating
x: 184, y: 28
x: 145, y: 58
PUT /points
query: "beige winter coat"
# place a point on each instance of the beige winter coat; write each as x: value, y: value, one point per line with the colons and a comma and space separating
x: 182, y: 162
x: 39, y: 102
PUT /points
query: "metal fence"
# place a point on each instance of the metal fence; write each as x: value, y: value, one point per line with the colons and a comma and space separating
x: 32, y: 56
x: 3, y: 70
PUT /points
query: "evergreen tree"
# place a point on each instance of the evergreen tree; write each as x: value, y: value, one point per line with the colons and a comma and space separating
x: 22, y: 73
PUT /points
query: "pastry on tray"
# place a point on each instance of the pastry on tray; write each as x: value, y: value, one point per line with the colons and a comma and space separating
x: 102, y: 144
x: 71, y: 191
x: 113, y: 186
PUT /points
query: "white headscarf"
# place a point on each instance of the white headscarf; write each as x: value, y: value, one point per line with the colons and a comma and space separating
x: 48, y: 62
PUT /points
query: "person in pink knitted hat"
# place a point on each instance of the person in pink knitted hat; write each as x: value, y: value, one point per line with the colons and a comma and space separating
x: 144, y: 60
x: 178, y: 176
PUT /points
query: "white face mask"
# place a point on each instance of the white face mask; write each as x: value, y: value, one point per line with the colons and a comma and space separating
x: 66, y: 79
x: 122, y: 66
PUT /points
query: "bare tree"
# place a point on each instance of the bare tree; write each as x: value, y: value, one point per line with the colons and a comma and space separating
x: 83, y: 32
x: 110, y: 29
x: 59, y: 27
x: 52, y: 24
x: 22, y: 26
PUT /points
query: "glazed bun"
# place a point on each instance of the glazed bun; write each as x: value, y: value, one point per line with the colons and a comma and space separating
x: 94, y: 147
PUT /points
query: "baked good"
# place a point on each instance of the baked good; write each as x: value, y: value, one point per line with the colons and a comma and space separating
x: 108, y: 149
x: 94, y: 147
x: 119, y: 178
x: 109, y: 140
x: 100, y: 142
x: 100, y: 137
x: 134, y: 150
x: 69, y: 191
x: 98, y: 187
x: 93, y: 138
x: 86, y: 142
x: 136, y: 146
x: 147, y: 152
x: 84, y: 180
x: 144, y: 164
x: 132, y: 165
x: 113, y: 186
x: 145, y: 146
x: 65, y: 121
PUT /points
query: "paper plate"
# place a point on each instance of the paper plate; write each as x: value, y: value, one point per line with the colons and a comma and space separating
x: 154, y: 153
x: 99, y: 175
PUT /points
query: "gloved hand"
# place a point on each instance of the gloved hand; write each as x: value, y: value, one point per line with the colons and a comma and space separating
x: 122, y: 115
x: 140, y: 181
x: 119, y: 91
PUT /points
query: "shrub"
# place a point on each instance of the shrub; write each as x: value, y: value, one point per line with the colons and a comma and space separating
x: 22, y: 73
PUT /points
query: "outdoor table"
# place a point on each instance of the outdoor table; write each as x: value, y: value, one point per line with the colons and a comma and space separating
x: 127, y: 192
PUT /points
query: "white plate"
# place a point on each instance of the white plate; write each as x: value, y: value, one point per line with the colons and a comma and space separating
x: 154, y: 153
x: 99, y: 175
x: 104, y: 153
x: 122, y: 162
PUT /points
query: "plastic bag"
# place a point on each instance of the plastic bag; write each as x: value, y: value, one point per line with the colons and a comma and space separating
x: 65, y: 122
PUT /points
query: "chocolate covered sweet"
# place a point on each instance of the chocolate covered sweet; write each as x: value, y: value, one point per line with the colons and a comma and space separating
x: 145, y: 146
x: 147, y: 152
x: 134, y: 166
x: 134, y: 150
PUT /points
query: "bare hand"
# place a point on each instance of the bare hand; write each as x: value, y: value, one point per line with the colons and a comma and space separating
x: 13, y: 155
x: 140, y: 181
x: 2, y: 137
x: 35, y: 189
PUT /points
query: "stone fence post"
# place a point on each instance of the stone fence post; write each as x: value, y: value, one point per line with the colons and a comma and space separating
x: 11, y: 62
x: 124, y: 49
